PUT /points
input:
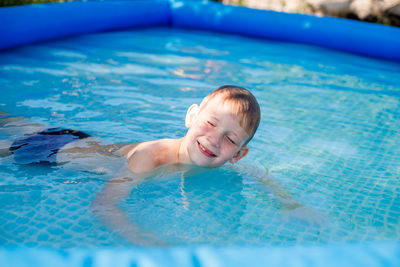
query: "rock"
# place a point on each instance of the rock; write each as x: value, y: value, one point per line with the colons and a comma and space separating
x: 361, y: 8
x: 335, y: 8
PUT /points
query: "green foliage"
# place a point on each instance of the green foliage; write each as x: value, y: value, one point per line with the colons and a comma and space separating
x: 26, y: 2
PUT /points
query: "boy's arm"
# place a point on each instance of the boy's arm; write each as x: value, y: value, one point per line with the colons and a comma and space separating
x: 291, y: 207
x: 105, y: 206
x: 261, y: 174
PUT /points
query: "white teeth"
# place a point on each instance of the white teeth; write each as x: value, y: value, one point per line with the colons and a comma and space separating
x: 202, y: 148
x: 205, y: 150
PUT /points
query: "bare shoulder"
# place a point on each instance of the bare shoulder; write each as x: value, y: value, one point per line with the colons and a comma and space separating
x: 128, y: 149
x: 148, y: 156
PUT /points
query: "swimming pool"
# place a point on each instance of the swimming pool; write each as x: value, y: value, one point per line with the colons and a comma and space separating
x: 328, y: 134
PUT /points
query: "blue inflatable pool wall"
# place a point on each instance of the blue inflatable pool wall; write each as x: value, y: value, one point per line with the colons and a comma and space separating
x: 23, y: 25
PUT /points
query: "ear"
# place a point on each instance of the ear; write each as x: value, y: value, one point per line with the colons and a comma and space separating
x: 240, y: 154
x: 191, y: 114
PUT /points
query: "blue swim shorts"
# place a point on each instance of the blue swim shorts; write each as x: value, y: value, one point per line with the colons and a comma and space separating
x: 41, y: 148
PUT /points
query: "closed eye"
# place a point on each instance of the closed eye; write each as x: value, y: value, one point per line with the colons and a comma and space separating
x: 230, y: 140
x: 212, y: 124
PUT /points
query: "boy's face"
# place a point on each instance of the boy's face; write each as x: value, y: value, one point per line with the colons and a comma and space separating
x: 215, y: 135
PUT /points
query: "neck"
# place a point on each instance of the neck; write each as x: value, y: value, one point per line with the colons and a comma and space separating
x: 182, y: 156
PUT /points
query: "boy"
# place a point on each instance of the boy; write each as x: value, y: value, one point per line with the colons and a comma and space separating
x: 219, y: 130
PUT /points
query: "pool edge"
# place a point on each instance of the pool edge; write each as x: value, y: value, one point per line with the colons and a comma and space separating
x: 52, y: 21
x: 339, y: 254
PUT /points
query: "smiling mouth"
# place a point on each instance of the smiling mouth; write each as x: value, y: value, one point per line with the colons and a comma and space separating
x: 205, y: 151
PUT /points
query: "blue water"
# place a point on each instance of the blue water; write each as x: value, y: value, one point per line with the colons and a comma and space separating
x: 329, y: 136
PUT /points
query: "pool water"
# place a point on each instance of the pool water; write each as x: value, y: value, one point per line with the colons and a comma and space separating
x: 329, y: 135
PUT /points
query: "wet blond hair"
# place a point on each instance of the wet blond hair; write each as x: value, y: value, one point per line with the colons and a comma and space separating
x: 244, y: 104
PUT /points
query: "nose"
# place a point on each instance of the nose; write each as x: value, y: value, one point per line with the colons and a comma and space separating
x: 215, y: 138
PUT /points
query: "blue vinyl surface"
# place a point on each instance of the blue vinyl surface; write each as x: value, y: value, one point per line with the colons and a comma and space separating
x: 341, y: 34
x: 27, y: 24
x: 367, y: 254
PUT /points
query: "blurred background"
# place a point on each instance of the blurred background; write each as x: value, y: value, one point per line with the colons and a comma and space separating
x: 377, y: 11
x: 380, y: 11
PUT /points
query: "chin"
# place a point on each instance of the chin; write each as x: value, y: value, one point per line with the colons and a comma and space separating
x: 204, y: 163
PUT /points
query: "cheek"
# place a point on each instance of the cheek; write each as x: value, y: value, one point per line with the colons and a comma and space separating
x: 229, y: 147
x: 202, y: 128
